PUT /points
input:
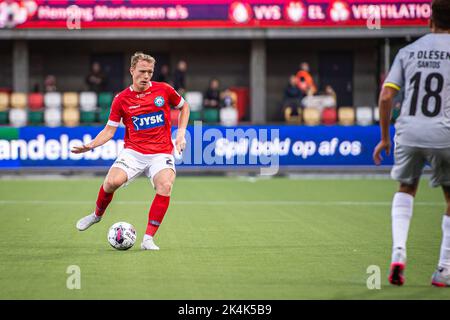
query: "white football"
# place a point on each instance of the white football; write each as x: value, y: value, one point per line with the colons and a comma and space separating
x: 122, y: 235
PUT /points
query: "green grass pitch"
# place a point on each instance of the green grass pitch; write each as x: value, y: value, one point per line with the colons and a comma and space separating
x: 222, y: 238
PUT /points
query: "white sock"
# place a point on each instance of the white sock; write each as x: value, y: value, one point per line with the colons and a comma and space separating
x: 444, y: 259
x: 402, y: 210
x: 147, y: 237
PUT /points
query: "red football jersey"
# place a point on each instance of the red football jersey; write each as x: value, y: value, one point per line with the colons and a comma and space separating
x: 146, y: 116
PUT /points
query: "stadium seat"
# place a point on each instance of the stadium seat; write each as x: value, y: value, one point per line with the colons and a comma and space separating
x: 364, y: 116
x: 18, y: 100
x: 18, y: 117
x: 105, y: 99
x: 195, y: 116
x: 52, y: 100
x: 87, y: 116
x: 211, y: 115
x: 376, y: 114
x: 36, y: 117
x: 293, y: 119
x: 103, y: 116
x: 88, y: 101
x: 195, y: 100
x: 329, y: 116
x: 71, y: 117
x: 70, y: 100
x: 4, y: 101
x: 346, y: 116
x: 35, y: 101
x: 52, y: 117
x: 4, y: 117
x: 174, y: 114
x: 311, y: 116
x: 229, y: 116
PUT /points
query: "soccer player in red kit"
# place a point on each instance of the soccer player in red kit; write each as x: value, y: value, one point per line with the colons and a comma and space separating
x: 144, y: 109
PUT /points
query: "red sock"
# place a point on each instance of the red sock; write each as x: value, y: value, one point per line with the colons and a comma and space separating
x: 156, y: 214
x: 103, y: 200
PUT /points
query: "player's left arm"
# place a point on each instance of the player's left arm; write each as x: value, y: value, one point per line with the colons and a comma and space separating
x: 178, y: 102
x: 183, y: 119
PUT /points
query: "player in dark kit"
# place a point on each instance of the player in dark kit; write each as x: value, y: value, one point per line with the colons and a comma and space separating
x: 144, y: 109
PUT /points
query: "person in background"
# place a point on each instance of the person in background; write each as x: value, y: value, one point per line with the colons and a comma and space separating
x: 179, y: 81
x: 36, y: 88
x: 212, y: 95
x: 164, y: 74
x: 96, y: 79
x: 329, y: 91
x: 228, y: 98
x: 50, y: 83
x: 292, y: 99
x: 305, y: 81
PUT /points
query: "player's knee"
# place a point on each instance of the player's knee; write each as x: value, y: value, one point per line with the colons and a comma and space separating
x: 111, y: 184
x: 164, y: 188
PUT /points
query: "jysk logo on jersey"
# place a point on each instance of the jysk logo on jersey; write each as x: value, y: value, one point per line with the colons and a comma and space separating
x: 148, y: 121
x: 159, y: 101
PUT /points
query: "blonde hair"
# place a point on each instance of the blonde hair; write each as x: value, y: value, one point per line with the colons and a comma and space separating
x: 140, y: 56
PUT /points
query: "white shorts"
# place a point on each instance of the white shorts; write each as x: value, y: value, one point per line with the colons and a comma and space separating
x: 135, y: 163
x: 410, y: 161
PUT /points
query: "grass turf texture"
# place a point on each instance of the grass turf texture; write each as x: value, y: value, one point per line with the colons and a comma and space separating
x: 223, y: 238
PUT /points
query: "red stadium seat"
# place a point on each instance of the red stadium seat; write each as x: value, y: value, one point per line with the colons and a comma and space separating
x: 36, y: 101
x: 329, y: 116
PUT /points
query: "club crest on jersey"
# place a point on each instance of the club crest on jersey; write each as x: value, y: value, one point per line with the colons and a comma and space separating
x: 148, y: 120
x: 159, y: 101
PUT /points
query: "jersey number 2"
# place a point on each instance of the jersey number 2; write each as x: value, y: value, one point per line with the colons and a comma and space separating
x: 430, y: 93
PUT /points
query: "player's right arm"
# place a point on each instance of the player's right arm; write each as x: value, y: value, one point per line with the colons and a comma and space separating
x: 392, y: 85
x: 386, y: 102
x: 108, y: 131
x: 103, y: 137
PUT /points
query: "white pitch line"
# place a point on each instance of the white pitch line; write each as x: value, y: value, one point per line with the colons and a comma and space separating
x: 230, y: 202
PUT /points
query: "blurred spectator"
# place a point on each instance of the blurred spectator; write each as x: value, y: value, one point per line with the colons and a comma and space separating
x: 292, y: 99
x: 96, y: 79
x: 305, y: 80
x: 212, y: 95
x: 228, y: 98
x: 329, y: 91
x: 324, y: 99
x: 50, y: 83
x: 179, y: 81
x: 36, y: 88
x: 164, y: 74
